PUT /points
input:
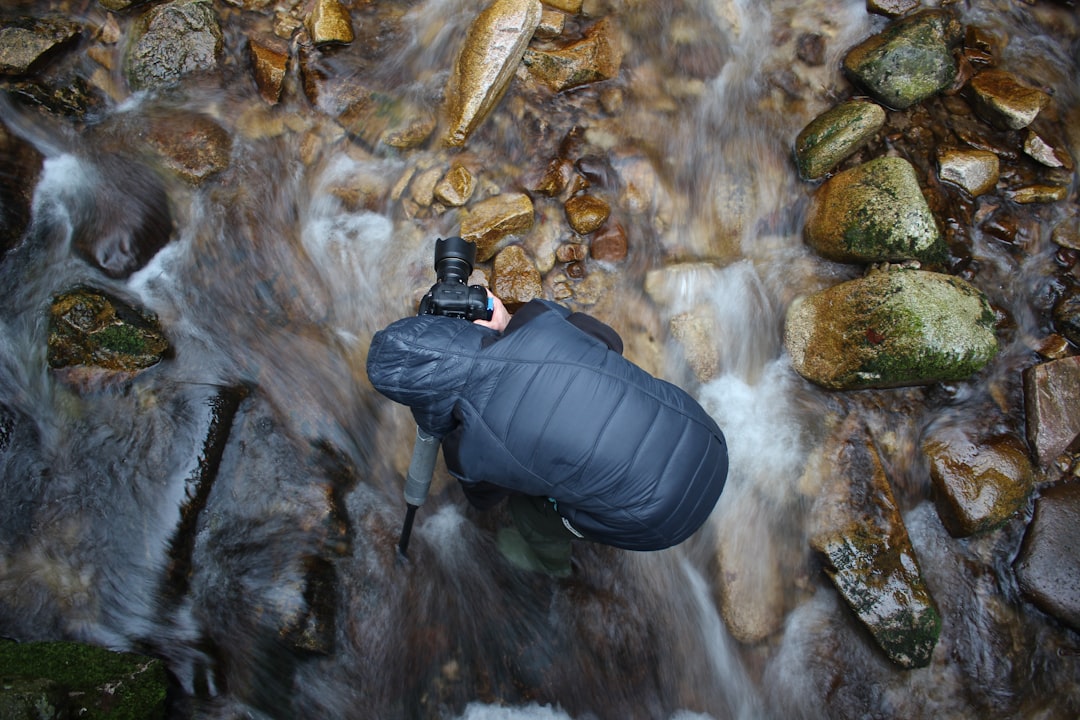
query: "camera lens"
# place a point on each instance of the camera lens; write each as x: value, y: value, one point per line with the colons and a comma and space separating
x: 454, y: 259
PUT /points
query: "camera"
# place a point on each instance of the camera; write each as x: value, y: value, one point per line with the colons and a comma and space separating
x: 450, y: 296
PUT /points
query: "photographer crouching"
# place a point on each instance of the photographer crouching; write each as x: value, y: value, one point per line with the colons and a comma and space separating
x: 541, y: 409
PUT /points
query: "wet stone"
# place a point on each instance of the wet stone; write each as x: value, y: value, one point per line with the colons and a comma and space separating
x: 586, y: 213
x: 487, y: 62
x: 1001, y: 99
x: 555, y: 178
x: 891, y: 8
x: 975, y: 171
x: 980, y: 483
x: 694, y: 333
x: 1051, y: 403
x: 871, y: 213
x: 24, y: 42
x: 810, y: 48
x: 571, y: 252
x: 857, y: 526
x: 835, y: 134
x: 92, y: 329
x: 551, y: 24
x: 596, y: 57
x: 456, y: 187
x: 329, y: 23
x: 571, y: 7
x: 1048, y: 566
x: 192, y: 145
x: 1046, y: 152
x: 491, y: 221
x: 172, y: 42
x: 609, y: 243
x: 891, y: 328
x: 909, y: 61
x: 515, y: 278
x: 269, y: 62
x: 1038, y: 194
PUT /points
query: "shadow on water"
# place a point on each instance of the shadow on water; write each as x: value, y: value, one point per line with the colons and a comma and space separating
x: 235, y: 510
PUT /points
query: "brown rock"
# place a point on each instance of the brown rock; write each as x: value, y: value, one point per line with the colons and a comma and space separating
x: 1003, y: 101
x: 329, y: 23
x: 891, y: 8
x: 1038, y: 194
x: 456, y: 187
x: 976, y: 171
x: 980, y: 483
x: 269, y: 62
x: 694, y: 333
x: 609, y: 243
x: 490, y: 221
x: 556, y: 177
x: 586, y: 213
x: 597, y: 56
x: 1052, y: 406
x: 192, y: 145
x: 514, y: 277
x: 23, y: 43
x: 1048, y: 566
x: 571, y: 252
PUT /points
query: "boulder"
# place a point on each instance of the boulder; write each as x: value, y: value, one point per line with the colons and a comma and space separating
x: 891, y: 328
x: 908, y: 62
x: 1048, y: 566
x: 173, y: 41
x: 856, y: 525
x: 980, y: 482
x: 596, y: 57
x: 26, y: 44
x: 489, y: 57
x: 872, y: 213
x: 836, y: 134
x: 492, y: 220
x: 1051, y: 402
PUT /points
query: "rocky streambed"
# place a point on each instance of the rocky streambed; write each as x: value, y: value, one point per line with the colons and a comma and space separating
x: 930, y: 180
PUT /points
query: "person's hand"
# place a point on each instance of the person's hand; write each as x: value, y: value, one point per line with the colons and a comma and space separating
x: 499, y: 316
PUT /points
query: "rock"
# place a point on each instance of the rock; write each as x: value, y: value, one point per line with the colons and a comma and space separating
x: 1003, y: 101
x: 490, y: 54
x: 836, y: 134
x: 1051, y: 400
x: 891, y: 328
x: 173, y: 41
x: 23, y: 43
x: 572, y: 7
x: 456, y: 187
x: 192, y: 145
x: 974, y: 171
x: 329, y: 23
x: 1066, y: 315
x: 1067, y: 233
x: 490, y: 221
x: 94, y: 330
x: 891, y: 8
x: 555, y: 178
x: 980, y: 483
x: 1050, y: 153
x: 594, y: 58
x: 552, y: 23
x: 1038, y: 194
x: 750, y: 592
x: 571, y: 252
x: 874, y: 212
x: 1048, y: 566
x: 514, y: 277
x: 908, y: 62
x: 269, y: 63
x: 856, y: 525
x: 380, y: 118
x: 119, y: 243
x: 694, y: 332
x: 20, y: 168
x: 609, y: 244
x: 810, y: 48
x: 586, y: 213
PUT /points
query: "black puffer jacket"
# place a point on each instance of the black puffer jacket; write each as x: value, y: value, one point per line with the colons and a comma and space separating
x: 551, y: 411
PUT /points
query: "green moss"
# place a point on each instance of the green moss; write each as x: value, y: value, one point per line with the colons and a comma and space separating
x: 102, y: 685
x: 122, y: 339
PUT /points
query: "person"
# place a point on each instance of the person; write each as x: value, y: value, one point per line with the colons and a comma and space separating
x: 541, y: 409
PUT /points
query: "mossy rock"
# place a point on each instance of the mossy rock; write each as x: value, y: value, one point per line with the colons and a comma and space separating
x: 63, y: 679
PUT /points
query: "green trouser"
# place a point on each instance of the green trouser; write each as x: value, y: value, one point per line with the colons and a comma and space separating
x: 543, y: 529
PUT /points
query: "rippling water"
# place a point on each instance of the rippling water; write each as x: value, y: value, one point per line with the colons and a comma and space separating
x: 270, y: 292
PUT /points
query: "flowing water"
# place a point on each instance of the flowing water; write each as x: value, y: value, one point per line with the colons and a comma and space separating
x: 270, y: 292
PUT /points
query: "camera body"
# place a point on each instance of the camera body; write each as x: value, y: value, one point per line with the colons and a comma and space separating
x: 451, y: 296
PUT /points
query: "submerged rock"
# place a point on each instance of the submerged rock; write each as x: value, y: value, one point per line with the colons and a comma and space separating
x: 192, y: 145
x: 908, y: 62
x: 514, y: 277
x: 891, y: 328
x: 586, y: 213
x: 857, y: 527
x: 596, y: 57
x: 980, y: 483
x: 173, y: 41
x: 1048, y: 566
x: 1051, y: 403
x: 872, y: 213
x: 269, y: 63
x: 329, y: 23
x: 90, y: 329
x: 492, y: 220
x: 490, y: 55
x: 976, y: 171
x: 834, y: 135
